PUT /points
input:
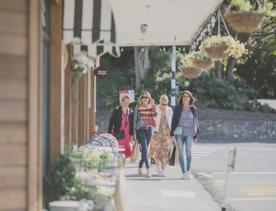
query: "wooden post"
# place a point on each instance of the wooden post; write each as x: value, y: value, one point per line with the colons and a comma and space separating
x: 81, y: 105
x: 74, y: 113
x: 92, y: 110
x: 55, y: 85
x: 67, y: 98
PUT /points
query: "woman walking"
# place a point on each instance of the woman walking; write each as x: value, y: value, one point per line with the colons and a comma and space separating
x: 185, y: 129
x: 121, y: 125
x: 143, y: 123
x: 161, y: 142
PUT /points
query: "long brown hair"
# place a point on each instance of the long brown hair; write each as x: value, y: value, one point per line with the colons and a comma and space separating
x: 192, y: 99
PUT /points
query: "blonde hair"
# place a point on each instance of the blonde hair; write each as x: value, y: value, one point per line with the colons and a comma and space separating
x: 164, y: 98
x: 123, y: 98
x: 141, y: 96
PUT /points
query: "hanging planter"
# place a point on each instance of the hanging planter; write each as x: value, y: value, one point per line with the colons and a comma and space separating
x: 244, y: 21
x: 202, y: 63
x: 191, y: 72
x: 201, y: 60
x: 245, y: 17
x: 80, y: 65
x: 218, y: 47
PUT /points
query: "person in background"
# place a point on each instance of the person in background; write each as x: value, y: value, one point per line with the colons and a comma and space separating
x: 161, y: 142
x: 184, y: 128
x: 143, y: 123
x: 121, y: 125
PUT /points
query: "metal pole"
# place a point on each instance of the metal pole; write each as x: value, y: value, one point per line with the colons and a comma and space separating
x: 230, y: 168
x: 173, y: 81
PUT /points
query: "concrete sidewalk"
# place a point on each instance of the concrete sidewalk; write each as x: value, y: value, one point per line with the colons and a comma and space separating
x: 170, y: 193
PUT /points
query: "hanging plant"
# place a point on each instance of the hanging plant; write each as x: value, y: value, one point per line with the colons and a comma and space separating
x: 80, y: 66
x: 187, y: 67
x: 201, y: 60
x: 221, y: 47
x: 245, y: 17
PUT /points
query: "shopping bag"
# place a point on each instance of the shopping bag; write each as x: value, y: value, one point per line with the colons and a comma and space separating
x: 135, y: 152
x: 172, y: 158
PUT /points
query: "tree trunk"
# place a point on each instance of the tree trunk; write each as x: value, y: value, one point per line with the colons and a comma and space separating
x: 142, y: 64
x: 230, y: 66
x: 218, y: 69
x: 137, y: 71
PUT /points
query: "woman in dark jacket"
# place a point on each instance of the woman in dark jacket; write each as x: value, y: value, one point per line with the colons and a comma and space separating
x: 121, y: 125
x: 184, y: 128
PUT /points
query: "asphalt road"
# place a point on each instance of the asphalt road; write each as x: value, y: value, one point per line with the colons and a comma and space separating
x: 253, y: 182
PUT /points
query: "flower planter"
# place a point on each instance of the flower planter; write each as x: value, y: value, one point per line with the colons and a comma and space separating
x: 217, y: 51
x: 191, y: 72
x: 244, y: 21
x: 202, y: 63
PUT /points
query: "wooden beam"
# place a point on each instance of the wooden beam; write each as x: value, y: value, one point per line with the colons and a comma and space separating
x: 55, y: 85
x: 67, y: 97
x: 33, y: 148
x: 81, y: 111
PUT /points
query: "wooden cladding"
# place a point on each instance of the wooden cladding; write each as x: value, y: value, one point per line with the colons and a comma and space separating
x: 14, y: 103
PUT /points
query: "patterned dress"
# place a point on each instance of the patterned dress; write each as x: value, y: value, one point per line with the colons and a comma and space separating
x: 161, y: 144
x: 125, y: 143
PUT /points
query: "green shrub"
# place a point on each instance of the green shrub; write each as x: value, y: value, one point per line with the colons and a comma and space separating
x: 219, y: 93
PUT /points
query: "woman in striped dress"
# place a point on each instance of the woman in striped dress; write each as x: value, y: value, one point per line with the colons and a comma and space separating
x: 143, y: 123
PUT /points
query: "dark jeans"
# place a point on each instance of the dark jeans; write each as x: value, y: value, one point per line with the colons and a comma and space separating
x: 144, y: 136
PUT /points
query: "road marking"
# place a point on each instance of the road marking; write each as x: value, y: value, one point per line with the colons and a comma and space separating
x: 202, y: 151
x: 205, y: 175
x: 251, y: 199
x: 175, y: 193
x: 248, y: 173
x: 259, y: 190
x: 219, y: 181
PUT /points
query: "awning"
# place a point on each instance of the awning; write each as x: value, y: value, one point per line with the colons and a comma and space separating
x: 90, y: 25
x: 160, y: 22
x: 104, y: 25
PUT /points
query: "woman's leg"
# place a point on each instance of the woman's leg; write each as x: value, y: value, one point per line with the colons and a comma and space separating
x: 180, y: 143
x: 148, y: 137
x: 188, y: 149
x: 143, y: 142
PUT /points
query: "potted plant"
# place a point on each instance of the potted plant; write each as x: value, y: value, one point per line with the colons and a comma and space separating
x: 188, y: 69
x: 245, y: 17
x: 80, y: 65
x: 221, y: 47
x: 201, y: 60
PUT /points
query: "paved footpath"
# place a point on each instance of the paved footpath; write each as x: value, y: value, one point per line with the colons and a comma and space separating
x: 170, y: 193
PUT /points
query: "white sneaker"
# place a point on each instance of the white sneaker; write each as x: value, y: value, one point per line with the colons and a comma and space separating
x: 162, y: 173
x: 139, y: 173
x: 189, y: 175
x: 158, y: 170
x: 148, y: 175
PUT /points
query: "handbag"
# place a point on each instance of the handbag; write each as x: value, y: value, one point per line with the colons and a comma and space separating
x: 178, y: 131
x: 172, y: 158
x: 119, y: 135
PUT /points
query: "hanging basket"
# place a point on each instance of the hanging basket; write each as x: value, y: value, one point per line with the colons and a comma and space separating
x: 202, y: 63
x: 218, y: 51
x: 243, y: 21
x: 191, y: 72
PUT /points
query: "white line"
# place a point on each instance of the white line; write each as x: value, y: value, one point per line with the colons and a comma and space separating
x: 195, y: 157
x: 175, y: 193
x: 252, y: 199
x: 248, y: 173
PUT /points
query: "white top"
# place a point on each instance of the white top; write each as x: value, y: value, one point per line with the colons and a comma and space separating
x: 169, y: 113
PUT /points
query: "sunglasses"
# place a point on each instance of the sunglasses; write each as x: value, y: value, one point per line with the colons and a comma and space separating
x: 163, y: 104
x: 145, y: 97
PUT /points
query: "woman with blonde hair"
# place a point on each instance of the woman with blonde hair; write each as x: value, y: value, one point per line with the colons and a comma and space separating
x: 161, y: 142
x: 185, y: 129
x: 120, y: 125
x: 143, y: 123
